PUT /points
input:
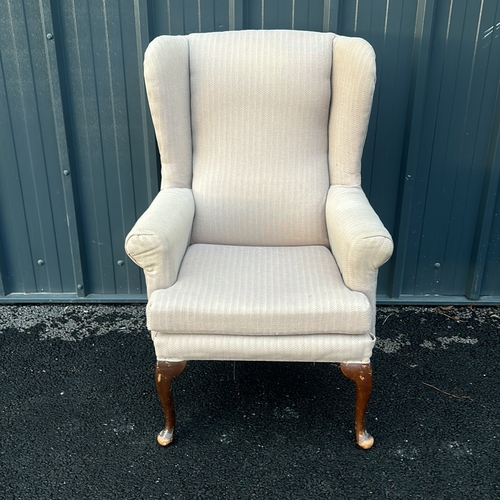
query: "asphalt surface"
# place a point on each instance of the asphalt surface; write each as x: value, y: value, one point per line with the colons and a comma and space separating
x: 79, y: 413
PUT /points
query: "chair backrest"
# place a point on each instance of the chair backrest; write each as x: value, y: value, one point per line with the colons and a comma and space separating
x: 259, y: 124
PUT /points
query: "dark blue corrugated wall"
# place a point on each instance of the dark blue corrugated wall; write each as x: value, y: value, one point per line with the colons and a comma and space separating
x: 78, y: 160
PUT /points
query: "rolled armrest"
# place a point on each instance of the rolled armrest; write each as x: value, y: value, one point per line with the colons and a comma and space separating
x: 359, y: 241
x: 159, y: 239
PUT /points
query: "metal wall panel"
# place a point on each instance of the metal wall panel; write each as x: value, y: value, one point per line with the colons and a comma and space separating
x: 38, y: 252
x: 114, y: 161
x: 450, y: 172
x: 458, y: 113
x: 79, y: 163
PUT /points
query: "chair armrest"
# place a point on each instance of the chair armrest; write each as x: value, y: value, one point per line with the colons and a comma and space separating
x: 158, y: 241
x: 359, y: 241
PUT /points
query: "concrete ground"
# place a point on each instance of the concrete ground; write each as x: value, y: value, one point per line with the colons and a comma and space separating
x: 79, y: 413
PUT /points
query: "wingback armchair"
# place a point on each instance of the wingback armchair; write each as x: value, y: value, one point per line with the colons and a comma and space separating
x: 261, y: 244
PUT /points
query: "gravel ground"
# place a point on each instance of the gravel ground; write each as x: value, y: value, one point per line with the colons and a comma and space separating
x: 79, y: 413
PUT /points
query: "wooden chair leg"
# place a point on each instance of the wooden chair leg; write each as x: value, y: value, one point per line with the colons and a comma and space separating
x: 165, y: 373
x: 362, y: 376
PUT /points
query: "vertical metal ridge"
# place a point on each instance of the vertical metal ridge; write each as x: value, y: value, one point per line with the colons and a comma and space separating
x: 135, y: 278
x: 335, y: 21
x: 378, y: 95
x: 326, y: 15
x: 423, y: 264
x: 411, y: 147
x: 83, y: 283
x: 4, y: 275
x: 4, y: 270
x: 199, y: 16
x: 460, y: 206
x: 356, y: 11
x: 141, y: 42
x: 386, y: 19
x: 231, y: 14
x: 472, y: 75
x: 29, y: 140
x: 489, y: 195
x: 127, y: 170
x: 16, y: 64
x: 486, y: 215
x: 88, y: 144
x: 62, y: 151
x: 169, y: 12
x: 117, y: 155
x: 15, y: 235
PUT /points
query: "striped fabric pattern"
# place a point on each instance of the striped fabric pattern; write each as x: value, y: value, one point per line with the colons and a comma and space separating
x: 159, y: 239
x: 261, y: 244
x: 321, y: 348
x: 258, y: 291
x: 166, y: 74
x: 358, y: 239
x: 260, y: 136
x: 353, y: 84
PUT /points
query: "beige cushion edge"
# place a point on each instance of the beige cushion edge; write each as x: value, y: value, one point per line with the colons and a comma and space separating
x: 312, y: 348
x: 220, y: 306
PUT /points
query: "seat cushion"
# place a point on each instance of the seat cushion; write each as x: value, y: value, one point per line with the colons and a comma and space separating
x: 242, y: 290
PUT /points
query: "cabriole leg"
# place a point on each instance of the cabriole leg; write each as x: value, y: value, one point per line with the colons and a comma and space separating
x: 362, y: 376
x: 165, y: 373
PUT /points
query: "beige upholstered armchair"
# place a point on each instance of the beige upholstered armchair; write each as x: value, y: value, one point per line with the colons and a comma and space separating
x: 261, y: 244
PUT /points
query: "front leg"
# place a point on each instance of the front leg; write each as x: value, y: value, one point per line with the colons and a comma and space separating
x: 165, y: 373
x: 361, y: 374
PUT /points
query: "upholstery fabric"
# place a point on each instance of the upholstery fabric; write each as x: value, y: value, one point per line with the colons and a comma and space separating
x: 353, y: 84
x: 260, y: 136
x: 358, y: 239
x: 326, y: 348
x: 261, y: 244
x: 159, y: 239
x: 258, y: 291
x: 166, y: 74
